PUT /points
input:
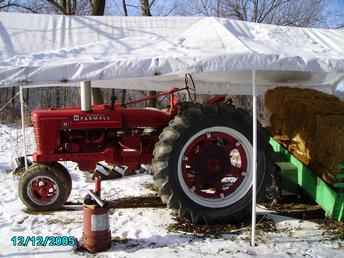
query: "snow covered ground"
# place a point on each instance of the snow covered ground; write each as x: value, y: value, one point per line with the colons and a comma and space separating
x: 142, y: 232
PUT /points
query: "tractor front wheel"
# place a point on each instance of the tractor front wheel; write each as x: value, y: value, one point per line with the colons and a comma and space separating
x: 203, y: 163
x: 45, y: 187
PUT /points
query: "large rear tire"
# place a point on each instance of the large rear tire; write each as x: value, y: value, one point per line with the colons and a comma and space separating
x: 45, y: 187
x: 202, y: 164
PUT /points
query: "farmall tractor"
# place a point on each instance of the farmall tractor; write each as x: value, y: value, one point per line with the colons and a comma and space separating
x: 201, y: 154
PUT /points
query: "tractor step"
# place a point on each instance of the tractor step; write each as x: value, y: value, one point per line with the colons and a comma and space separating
x: 329, y: 198
x: 107, y: 172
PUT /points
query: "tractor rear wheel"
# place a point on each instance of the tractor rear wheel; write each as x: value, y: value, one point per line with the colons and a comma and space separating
x: 45, y: 187
x: 203, y: 163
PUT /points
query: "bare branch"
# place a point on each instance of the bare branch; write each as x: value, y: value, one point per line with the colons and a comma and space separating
x: 133, y: 6
x: 171, y: 10
x: 18, y: 6
x: 152, y: 3
x: 56, y: 5
x: 205, y: 7
x: 274, y: 6
x: 125, y: 9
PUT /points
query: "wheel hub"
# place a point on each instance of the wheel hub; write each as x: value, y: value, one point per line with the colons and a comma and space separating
x: 43, y: 190
x: 214, y: 165
x: 209, y: 165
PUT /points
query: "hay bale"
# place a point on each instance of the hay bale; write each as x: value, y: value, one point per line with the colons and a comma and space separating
x: 311, y: 125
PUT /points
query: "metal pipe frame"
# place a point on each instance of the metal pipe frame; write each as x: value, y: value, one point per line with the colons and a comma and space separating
x: 254, y: 167
x: 22, y: 114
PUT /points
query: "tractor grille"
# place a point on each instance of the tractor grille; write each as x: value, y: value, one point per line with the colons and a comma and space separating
x: 37, y: 134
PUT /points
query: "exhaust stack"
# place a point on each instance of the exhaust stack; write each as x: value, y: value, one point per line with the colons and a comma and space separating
x: 85, y: 95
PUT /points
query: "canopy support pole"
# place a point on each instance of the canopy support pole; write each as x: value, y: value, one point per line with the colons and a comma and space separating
x: 254, y: 165
x: 333, y: 90
x: 22, y: 116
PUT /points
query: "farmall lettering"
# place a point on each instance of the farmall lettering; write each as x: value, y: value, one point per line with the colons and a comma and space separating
x: 92, y: 117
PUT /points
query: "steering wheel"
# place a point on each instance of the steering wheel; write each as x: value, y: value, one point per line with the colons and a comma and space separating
x: 191, y: 89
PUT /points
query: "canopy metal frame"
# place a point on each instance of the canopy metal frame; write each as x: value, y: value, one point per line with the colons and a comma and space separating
x: 254, y: 154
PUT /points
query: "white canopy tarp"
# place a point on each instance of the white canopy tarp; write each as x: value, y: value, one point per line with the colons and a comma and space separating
x: 127, y: 52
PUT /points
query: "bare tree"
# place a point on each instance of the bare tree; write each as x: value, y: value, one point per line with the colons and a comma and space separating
x: 280, y: 12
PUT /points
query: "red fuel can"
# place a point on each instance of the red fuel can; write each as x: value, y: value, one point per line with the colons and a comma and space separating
x: 96, y: 234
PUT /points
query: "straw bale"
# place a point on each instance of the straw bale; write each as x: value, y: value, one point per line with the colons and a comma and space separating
x: 311, y: 125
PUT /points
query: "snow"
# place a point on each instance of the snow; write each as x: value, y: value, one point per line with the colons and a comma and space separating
x: 144, y: 232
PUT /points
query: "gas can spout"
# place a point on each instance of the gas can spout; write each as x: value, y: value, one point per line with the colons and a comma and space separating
x: 95, y: 197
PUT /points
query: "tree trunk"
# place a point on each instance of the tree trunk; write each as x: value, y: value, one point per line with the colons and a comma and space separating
x: 69, y: 10
x: 145, y: 8
x: 63, y: 3
x: 98, y: 7
x: 125, y: 9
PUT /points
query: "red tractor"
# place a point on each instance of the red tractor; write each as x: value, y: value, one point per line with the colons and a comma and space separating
x: 201, y: 155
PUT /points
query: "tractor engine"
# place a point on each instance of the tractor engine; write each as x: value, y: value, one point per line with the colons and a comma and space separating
x: 83, y: 141
x: 123, y: 136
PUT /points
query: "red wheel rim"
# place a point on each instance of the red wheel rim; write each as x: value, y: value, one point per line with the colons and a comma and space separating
x: 214, y: 165
x: 43, y: 190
